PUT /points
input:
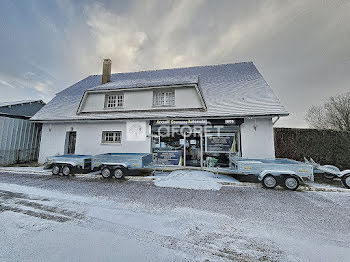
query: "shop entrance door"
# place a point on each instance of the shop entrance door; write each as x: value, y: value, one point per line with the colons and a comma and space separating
x: 193, y: 149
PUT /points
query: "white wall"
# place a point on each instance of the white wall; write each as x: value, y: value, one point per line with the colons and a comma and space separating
x: 255, y: 143
x: 142, y: 99
x: 89, y: 136
x: 187, y: 97
x: 257, y: 139
x: 93, y: 102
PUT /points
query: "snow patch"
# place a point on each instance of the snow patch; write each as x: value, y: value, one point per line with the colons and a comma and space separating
x: 322, y: 186
x: 193, y: 179
x: 31, y: 169
x: 313, y: 186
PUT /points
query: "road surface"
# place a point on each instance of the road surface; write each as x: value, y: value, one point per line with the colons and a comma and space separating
x: 86, y: 218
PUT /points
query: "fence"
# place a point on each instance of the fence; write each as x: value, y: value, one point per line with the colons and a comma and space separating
x: 19, y: 140
x: 18, y: 156
x: 324, y: 146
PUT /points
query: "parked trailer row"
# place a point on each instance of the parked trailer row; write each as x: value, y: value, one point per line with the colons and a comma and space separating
x: 108, y: 165
x: 271, y: 172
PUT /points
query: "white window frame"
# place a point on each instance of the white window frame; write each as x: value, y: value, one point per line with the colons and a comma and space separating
x: 164, y: 98
x: 114, y: 101
x: 111, y: 137
x: 120, y: 100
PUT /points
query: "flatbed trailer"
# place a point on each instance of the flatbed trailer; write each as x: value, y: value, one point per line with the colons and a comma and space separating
x: 117, y: 164
x: 69, y: 164
x: 286, y: 172
x: 271, y: 172
x: 108, y: 165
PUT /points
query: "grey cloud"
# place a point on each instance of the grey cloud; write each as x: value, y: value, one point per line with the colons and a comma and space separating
x: 301, y: 47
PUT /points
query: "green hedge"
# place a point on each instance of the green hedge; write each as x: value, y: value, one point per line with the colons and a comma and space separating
x: 324, y: 146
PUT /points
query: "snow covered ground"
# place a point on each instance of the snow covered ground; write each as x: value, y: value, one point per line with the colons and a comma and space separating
x: 47, y: 218
x: 187, y: 179
x: 40, y: 224
x: 192, y: 179
x: 326, y: 187
x: 30, y: 169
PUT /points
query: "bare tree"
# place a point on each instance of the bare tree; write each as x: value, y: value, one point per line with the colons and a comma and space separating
x: 334, y: 114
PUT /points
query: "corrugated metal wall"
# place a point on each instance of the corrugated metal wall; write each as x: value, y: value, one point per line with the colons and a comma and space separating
x: 19, y: 140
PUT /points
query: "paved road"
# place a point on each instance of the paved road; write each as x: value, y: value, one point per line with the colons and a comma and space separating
x: 271, y: 225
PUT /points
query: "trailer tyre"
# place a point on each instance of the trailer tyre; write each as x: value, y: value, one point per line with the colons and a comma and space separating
x: 329, y: 176
x: 106, y: 172
x: 291, y: 183
x: 269, y: 181
x: 118, y: 173
x: 55, y: 170
x: 66, y: 170
x: 346, y: 180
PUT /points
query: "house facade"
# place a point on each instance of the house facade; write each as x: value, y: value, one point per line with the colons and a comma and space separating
x: 192, y: 114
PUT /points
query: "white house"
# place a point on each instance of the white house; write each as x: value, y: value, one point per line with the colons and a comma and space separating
x: 200, y: 111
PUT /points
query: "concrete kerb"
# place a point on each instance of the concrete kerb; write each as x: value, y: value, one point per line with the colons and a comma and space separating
x: 151, y: 178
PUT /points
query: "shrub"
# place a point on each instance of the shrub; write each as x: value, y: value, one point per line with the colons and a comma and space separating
x: 324, y: 146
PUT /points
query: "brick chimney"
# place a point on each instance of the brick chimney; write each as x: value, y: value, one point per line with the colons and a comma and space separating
x: 106, y: 71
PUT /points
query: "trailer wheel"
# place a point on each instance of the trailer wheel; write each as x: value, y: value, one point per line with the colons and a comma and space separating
x: 269, y: 181
x: 118, y: 173
x: 55, y: 170
x: 106, y: 172
x: 66, y: 170
x: 291, y: 183
x: 329, y: 176
x: 346, y: 180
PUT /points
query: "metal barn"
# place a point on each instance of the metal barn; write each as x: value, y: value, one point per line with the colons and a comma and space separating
x: 19, y: 137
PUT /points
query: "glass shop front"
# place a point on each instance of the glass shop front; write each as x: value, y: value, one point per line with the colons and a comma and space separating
x: 195, y: 142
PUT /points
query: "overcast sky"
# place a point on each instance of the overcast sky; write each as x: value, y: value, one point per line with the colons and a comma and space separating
x: 302, y: 48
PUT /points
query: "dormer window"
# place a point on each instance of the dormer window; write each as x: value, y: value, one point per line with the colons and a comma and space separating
x: 164, y: 98
x: 114, y: 101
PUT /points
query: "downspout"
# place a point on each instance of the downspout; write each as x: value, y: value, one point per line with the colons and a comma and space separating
x: 274, y: 122
x: 274, y: 137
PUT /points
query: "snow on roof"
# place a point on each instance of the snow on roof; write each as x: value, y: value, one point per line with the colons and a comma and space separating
x: 148, y: 82
x: 229, y: 90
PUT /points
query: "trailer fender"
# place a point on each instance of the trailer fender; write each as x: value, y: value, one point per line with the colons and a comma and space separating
x: 300, y: 179
x: 326, y: 169
x: 115, y: 165
x: 344, y: 172
x: 65, y: 163
x: 277, y: 173
x: 336, y: 169
x: 48, y: 165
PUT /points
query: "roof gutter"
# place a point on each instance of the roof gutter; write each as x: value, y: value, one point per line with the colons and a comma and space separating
x: 15, y: 116
x: 155, y: 118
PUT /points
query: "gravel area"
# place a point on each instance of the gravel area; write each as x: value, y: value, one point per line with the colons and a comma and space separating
x: 278, y: 225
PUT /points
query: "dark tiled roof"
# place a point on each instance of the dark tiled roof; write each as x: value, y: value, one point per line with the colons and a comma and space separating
x: 23, y: 108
